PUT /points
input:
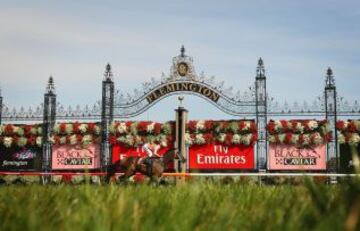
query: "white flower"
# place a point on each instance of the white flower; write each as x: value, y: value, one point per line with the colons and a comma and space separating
x: 39, y: 130
x: 246, y: 139
x: 299, y: 127
x: 39, y: 141
x: 56, y: 128
x: 294, y: 138
x: 200, y: 125
x: 313, y: 124
x: 278, y: 126
x: 306, y: 138
x: 222, y: 137
x: 97, y: 129
x: 69, y: 128
x: 341, y: 138
x: 272, y: 139
x: 19, y: 131
x: 236, y: 139
x: 52, y: 139
x: 8, y: 141
x: 73, y: 140
x: 83, y: 128
x: 122, y: 128
x: 34, y: 130
x: 1, y: 129
x: 355, y: 139
x: 150, y: 127
x: 129, y: 139
x: 63, y: 140
x: 199, y: 139
x: 87, y: 139
x: 188, y: 139
x: 282, y: 138
x: 317, y: 138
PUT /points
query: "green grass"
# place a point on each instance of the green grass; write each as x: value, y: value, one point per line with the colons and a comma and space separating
x: 191, y: 206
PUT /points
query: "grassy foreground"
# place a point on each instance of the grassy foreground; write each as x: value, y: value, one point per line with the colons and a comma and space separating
x: 192, y: 206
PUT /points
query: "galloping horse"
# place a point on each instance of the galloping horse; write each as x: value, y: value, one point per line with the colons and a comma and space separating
x: 131, y: 165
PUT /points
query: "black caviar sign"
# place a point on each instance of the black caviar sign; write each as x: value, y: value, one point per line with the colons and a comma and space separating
x: 174, y: 87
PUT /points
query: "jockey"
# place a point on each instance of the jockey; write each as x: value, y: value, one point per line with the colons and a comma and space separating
x: 151, y: 150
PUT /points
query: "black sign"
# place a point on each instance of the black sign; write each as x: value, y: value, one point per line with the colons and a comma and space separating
x: 15, y: 159
x: 187, y: 86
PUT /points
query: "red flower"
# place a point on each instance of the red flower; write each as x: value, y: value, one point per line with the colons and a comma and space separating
x: 79, y: 138
x: 192, y: 125
x: 352, y: 126
x: 340, y: 125
x: 142, y: 126
x: 328, y: 137
x: 27, y: 130
x: 271, y: 127
x: 76, y: 126
x: 63, y: 128
x: 254, y: 138
x: 228, y: 139
x: 91, y: 128
x: 9, y: 129
x: 288, y: 137
x: 112, y: 140
x: 31, y: 140
x: 157, y: 128
x: 208, y: 125
x: 284, y: 125
x: 209, y: 138
x: 242, y: 125
x: 57, y: 139
x: 253, y: 127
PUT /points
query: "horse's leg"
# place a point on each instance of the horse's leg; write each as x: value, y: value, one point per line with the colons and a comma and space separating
x: 128, y: 173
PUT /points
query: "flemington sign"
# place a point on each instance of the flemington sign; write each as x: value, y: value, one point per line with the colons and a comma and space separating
x: 183, y: 87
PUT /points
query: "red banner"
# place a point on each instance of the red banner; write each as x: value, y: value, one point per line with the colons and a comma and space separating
x: 214, y: 156
x: 120, y: 151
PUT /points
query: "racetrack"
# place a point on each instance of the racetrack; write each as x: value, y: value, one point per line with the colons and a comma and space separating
x: 196, y: 205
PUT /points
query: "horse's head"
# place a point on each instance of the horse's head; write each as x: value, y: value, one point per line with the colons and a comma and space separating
x: 171, y: 154
x: 180, y: 156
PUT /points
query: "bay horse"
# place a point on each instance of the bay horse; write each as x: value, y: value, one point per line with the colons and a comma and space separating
x: 130, y: 165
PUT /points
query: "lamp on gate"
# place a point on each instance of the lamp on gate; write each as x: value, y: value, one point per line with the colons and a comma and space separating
x: 180, y: 98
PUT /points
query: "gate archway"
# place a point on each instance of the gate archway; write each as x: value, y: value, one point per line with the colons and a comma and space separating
x: 184, y: 80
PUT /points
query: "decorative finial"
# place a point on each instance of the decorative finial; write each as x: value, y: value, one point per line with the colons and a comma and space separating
x: 260, y: 70
x: 108, y: 74
x: 180, y: 98
x: 330, y: 80
x: 51, y: 86
x: 329, y: 72
x: 182, y: 51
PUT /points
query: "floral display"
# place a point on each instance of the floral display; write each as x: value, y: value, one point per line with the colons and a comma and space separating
x: 20, y: 135
x: 349, y: 131
x: 299, y: 132
x: 76, y: 134
x: 230, y: 132
x: 134, y: 134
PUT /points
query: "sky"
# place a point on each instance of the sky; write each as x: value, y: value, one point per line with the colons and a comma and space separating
x: 74, y: 40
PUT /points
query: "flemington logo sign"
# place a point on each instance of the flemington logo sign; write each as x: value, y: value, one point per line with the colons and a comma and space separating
x: 187, y: 86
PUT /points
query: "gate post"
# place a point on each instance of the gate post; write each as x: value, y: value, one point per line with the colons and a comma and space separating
x: 107, y: 112
x: 331, y: 116
x: 180, y: 127
x: 261, y: 115
x: 48, y: 124
x: 1, y: 105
